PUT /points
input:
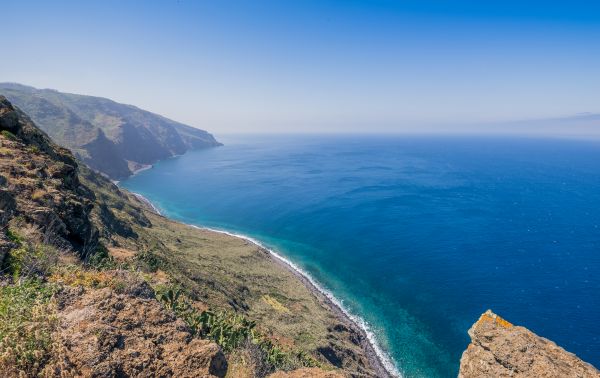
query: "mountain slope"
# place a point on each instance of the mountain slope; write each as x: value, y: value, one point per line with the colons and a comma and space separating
x: 94, y: 283
x: 113, y: 138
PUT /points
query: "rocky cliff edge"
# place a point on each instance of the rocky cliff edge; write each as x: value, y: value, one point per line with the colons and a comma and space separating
x: 501, y: 349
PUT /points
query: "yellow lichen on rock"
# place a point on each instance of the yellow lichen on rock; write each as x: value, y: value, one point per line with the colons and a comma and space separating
x: 501, y: 349
x: 489, y: 316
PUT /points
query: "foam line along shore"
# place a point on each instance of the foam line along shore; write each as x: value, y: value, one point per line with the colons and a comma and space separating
x: 380, y: 360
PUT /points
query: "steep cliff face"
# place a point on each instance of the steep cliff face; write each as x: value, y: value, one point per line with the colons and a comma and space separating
x: 40, y: 185
x: 501, y: 349
x: 112, y: 138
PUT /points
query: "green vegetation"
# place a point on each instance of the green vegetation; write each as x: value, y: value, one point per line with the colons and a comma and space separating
x: 101, y: 260
x: 26, y: 325
x: 233, y: 331
x: 33, y: 149
x: 29, y: 259
x: 8, y: 135
x: 149, y: 260
x: 14, y: 236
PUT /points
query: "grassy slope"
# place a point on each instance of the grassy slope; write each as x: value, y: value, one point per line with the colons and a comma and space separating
x: 226, y: 272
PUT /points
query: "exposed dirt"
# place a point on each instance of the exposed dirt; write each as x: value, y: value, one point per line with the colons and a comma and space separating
x: 103, y: 333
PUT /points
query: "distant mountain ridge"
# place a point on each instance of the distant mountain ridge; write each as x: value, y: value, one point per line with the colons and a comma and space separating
x: 113, y: 138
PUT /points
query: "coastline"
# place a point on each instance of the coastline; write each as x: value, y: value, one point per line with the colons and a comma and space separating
x: 141, y: 169
x: 146, y: 202
x: 378, y: 359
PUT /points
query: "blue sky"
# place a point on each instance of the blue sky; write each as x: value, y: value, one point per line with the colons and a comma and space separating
x: 330, y: 66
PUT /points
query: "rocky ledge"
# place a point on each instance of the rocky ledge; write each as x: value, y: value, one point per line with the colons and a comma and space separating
x: 501, y: 349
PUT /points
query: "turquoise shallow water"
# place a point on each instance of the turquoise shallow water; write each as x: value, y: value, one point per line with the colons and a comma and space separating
x: 417, y: 235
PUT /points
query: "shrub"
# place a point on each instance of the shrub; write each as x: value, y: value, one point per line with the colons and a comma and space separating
x: 8, y: 135
x: 170, y: 298
x: 31, y: 260
x: 33, y: 149
x: 101, y: 259
x: 232, y: 331
x: 26, y: 326
x: 14, y: 237
x: 38, y: 194
x: 149, y: 260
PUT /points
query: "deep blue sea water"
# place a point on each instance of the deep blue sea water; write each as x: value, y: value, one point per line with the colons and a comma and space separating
x: 417, y: 235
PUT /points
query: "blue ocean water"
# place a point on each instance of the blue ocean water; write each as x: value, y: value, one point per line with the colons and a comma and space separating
x: 417, y: 235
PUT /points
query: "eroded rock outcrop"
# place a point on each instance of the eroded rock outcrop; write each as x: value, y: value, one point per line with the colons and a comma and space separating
x: 128, y: 333
x: 501, y: 349
x: 40, y: 184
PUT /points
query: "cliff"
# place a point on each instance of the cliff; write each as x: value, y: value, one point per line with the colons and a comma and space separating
x: 112, y: 138
x: 94, y: 283
x: 39, y: 185
x: 501, y: 349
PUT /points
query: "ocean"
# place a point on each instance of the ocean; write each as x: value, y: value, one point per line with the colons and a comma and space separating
x: 417, y: 235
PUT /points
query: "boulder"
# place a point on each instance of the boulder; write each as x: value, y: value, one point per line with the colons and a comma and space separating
x: 9, y: 119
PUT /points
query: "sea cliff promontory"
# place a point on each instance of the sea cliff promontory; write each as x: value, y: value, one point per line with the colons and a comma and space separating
x: 501, y: 349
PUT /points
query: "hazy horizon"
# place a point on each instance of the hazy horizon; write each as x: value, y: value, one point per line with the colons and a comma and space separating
x: 321, y: 67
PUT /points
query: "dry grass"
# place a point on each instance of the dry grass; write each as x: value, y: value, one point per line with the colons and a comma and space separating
x: 121, y: 254
x: 222, y: 269
x: 275, y: 304
x: 38, y: 194
x: 78, y: 276
x: 27, y: 321
x: 240, y: 365
x: 119, y: 280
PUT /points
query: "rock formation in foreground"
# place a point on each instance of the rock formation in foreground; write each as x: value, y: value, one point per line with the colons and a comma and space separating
x: 125, y: 332
x: 501, y: 349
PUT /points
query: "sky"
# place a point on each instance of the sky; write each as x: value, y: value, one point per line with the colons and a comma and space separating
x: 315, y: 66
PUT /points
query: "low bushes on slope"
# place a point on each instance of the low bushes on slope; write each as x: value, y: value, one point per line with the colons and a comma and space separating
x: 235, y: 333
x: 26, y: 326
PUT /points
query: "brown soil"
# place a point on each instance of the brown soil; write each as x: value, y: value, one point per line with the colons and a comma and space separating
x: 103, y: 333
